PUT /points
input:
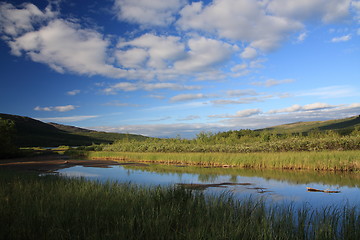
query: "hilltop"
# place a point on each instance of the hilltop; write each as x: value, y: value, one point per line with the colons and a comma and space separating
x: 31, y: 132
x: 342, y: 126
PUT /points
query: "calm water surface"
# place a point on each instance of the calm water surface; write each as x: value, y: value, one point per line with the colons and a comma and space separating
x: 273, y: 186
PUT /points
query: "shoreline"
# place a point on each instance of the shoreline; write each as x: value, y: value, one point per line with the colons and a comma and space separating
x: 52, y: 163
x: 342, y: 161
x: 336, y: 161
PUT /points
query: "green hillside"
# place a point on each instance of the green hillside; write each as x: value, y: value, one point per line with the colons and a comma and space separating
x: 343, y: 126
x: 31, y: 132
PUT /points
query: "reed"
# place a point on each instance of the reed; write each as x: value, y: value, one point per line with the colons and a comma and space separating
x: 325, y: 160
x: 234, y: 144
x: 51, y: 207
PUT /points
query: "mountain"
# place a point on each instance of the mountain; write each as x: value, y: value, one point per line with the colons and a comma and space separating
x: 31, y: 132
x: 343, y: 126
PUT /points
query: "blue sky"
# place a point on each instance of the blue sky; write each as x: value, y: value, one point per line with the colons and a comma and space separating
x: 176, y: 67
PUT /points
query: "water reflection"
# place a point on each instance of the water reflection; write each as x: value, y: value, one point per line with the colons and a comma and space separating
x: 273, y: 185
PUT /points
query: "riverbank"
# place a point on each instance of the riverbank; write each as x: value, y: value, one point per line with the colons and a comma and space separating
x: 51, y: 163
x: 51, y: 207
x: 319, y: 161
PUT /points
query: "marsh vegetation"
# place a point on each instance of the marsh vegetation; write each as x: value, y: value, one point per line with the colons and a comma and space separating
x: 50, y: 207
x: 242, y: 141
x: 317, y: 150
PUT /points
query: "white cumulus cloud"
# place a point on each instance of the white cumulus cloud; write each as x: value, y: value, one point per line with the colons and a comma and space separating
x: 14, y: 21
x: 128, y: 87
x: 158, y: 49
x: 187, y: 97
x: 341, y: 39
x: 56, y: 108
x: 148, y: 13
x: 272, y: 82
x: 241, y: 20
x: 249, y: 53
x: 308, y: 107
x: 324, y: 10
x: 68, y: 119
x: 73, y: 92
x: 239, y: 114
x: 65, y: 46
x: 204, y: 54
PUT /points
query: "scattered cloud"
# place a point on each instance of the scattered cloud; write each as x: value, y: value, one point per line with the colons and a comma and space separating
x: 245, y: 100
x: 157, y: 51
x: 241, y: 92
x: 248, y: 112
x: 156, y: 96
x: 258, y: 63
x: 317, y: 106
x: 56, y: 109
x: 239, y: 114
x: 308, y: 107
x: 120, y: 104
x: 15, y: 22
x: 245, y: 119
x: 176, y: 42
x: 293, y: 108
x: 148, y: 13
x: 245, y: 20
x: 272, y: 82
x: 68, y: 119
x: 199, y: 51
x: 188, y: 97
x: 186, y: 130
x: 203, y: 55
x: 341, y: 39
x: 65, y: 46
x: 338, y: 91
x: 189, y: 118
x: 268, y: 120
x: 132, y: 58
x: 324, y: 10
x: 127, y: 87
x: 249, y: 53
x: 179, y: 106
x: 302, y: 37
x: 159, y: 119
x: 73, y: 92
x: 239, y: 67
x: 356, y: 5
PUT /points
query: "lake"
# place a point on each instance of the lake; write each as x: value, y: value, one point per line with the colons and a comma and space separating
x: 274, y: 186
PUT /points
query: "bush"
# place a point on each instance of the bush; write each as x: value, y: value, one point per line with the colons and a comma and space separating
x: 7, y: 134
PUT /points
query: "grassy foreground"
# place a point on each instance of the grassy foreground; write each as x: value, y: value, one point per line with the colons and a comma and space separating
x: 326, y: 160
x: 50, y: 207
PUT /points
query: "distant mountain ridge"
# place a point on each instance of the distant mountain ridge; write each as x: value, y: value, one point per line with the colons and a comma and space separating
x: 31, y: 132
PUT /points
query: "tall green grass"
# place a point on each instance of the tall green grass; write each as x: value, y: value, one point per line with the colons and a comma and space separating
x: 326, y: 160
x: 56, y: 208
x: 242, y: 144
